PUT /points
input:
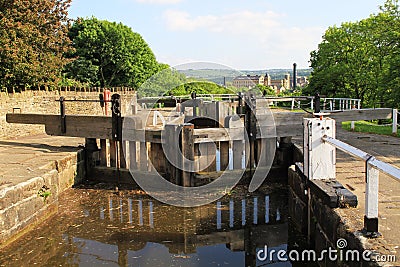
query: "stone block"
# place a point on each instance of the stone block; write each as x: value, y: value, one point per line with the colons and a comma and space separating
x: 298, y: 183
x: 298, y: 212
x: 326, y: 217
x: 332, y: 193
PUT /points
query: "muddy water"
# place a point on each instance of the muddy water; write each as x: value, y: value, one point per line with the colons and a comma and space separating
x: 100, y: 227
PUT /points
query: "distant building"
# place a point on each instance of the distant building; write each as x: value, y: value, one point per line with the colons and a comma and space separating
x: 279, y: 85
x: 248, y: 81
x: 302, y: 81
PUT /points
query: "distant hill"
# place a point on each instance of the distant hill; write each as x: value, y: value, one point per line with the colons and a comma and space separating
x: 218, y: 75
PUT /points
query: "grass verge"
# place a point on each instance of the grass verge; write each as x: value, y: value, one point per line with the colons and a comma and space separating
x: 370, y: 127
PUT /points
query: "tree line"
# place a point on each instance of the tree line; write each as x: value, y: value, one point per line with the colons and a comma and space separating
x: 361, y: 59
x: 40, y: 46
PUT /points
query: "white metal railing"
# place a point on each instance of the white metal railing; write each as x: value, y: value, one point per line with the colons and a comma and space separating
x: 373, y: 166
x: 326, y: 103
x: 340, y: 103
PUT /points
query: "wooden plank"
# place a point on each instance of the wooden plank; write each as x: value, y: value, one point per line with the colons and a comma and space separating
x: 141, y: 135
x: 32, y: 118
x: 362, y: 114
x: 217, y: 134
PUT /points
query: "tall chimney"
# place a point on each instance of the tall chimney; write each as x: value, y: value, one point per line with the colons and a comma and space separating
x: 294, y: 76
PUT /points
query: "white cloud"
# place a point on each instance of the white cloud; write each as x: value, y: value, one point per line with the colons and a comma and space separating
x: 268, y: 40
x: 163, y: 2
x: 239, y: 22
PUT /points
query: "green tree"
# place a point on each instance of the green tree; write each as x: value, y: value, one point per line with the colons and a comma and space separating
x: 164, y: 82
x: 109, y: 54
x: 360, y: 59
x: 33, y: 39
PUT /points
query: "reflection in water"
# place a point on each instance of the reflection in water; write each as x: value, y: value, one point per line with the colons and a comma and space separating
x: 243, y: 212
x: 228, y: 232
x: 231, y: 210
x: 266, y: 209
x: 140, y: 212
x: 255, y: 212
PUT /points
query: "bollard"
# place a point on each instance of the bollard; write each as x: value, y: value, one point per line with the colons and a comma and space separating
x: 371, y: 199
x: 317, y: 105
x: 394, y: 124
x: 116, y: 117
x: 62, y: 115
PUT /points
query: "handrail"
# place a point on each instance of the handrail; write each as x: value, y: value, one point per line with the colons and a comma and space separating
x: 372, y: 168
x: 374, y: 162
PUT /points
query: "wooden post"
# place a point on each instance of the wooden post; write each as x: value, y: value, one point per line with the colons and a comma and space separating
x: 188, y: 155
x: 133, y: 123
x: 211, y: 157
x: 132, y: 155
x: 90, y: 148
x: 143, y: 156
x: 113, y: 153
x: 171, y: 147
x: 237, y: 150
x: 237, y: 145
x: 224, y: 155
x: 157, y: 157
x: 103, y: 152
x: 122, y: 152
x: 394, y: 125
x: 371, y: 199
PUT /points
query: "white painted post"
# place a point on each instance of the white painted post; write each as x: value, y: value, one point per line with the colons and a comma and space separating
x: 394, y: 124
x: 353, y: 125
x: 312, y: 104
x: 319, y: 157
x: 156, y: 115
x: 359, y: 104
x: 371, y: 198
x: 292, y: 103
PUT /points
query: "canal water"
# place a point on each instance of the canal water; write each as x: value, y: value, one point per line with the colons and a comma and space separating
x: 96, y: 227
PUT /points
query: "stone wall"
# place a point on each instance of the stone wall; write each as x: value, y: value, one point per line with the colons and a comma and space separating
x: 44, y: 102
x: 21, y: 208
x: 313, y: 217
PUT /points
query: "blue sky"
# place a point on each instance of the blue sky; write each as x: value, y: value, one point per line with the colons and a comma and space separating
x: 253, y: 34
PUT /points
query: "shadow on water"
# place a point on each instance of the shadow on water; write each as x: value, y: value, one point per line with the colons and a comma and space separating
x: 99, y: 227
